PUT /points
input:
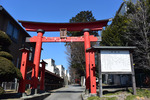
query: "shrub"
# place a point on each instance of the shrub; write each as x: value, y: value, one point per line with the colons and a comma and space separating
x: 18, y: 73
x: 7, y: 70
x: 4, y: 39
x: 6, y: 55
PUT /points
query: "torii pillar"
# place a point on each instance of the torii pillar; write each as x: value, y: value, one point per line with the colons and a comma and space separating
x: 87, y: 60
x: 37, y: 56
x: 90, y: 64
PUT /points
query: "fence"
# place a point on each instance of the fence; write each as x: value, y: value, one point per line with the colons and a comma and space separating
x: 10, y: 85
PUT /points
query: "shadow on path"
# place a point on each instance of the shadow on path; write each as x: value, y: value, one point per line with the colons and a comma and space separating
x: 10, y: 95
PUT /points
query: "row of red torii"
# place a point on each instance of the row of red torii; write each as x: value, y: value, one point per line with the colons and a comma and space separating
x: 63, y: 28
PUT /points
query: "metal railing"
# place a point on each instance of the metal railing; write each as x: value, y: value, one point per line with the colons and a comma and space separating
x: 10, y: 85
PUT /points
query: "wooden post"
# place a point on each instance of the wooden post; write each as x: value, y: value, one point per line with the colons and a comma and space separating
x: 87, y: 60
x: 100, y: 74
x: 92, y: 73
x: 23, y: 69
x: 133, y: 75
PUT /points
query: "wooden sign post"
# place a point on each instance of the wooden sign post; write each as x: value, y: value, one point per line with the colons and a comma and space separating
x: 114, y: 60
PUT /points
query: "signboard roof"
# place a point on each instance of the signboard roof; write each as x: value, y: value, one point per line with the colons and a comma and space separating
x: 98, y: 48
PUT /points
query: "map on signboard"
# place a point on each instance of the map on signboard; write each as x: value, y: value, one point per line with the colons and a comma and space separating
x: 115, y: 61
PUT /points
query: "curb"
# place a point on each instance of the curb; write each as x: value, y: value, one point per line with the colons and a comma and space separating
x: 84, y: 96
x: 35, y: 97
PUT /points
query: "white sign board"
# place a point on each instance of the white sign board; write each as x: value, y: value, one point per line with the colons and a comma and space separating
x: 115, y: 61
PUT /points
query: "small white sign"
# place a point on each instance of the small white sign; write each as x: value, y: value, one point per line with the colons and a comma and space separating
x: 115, y: 61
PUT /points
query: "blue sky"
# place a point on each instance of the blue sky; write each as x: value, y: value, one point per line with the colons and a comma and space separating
x: 58, y: 11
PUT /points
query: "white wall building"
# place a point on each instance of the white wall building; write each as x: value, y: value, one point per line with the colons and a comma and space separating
x: 61, y: 70
x: 69, y: 77
x: 56, y: 69
x: 65, y: 72
x: 50, y: 66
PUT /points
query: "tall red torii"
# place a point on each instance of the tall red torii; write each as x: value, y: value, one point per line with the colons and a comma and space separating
x: 93, y: 26
x: 41, y: 27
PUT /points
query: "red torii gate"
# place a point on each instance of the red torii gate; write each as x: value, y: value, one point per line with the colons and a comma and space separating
x: 41, y: 27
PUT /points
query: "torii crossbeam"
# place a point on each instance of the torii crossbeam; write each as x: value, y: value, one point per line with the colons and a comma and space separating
x: 40, y: 27
x: 93, y: 26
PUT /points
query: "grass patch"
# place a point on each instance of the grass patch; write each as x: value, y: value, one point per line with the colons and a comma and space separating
x: 112, y: 98
x: 142, y: 92
x: 114, y: 93
x: 107, y: 93
x: 134, y: 97
x: 94, y: 98
x: 141, y: 95
x: 130, y: 97
x: 103, y: 98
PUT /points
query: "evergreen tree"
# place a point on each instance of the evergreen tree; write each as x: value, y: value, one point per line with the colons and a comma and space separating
x: 83, y: 16
x: 113, y: 35
x: 75, y: 51
x: 132, y: 29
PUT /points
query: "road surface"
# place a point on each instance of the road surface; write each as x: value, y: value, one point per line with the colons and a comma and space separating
x: 71, y: 92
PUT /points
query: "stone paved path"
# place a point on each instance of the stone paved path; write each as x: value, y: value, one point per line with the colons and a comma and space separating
x: 71, y: 92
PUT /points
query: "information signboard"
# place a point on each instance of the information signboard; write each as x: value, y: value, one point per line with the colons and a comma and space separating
x: 115, y: 61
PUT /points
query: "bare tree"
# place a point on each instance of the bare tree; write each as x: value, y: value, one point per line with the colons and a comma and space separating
x: 74, y: 74
x: 138, y: 32
x: 76, y: 56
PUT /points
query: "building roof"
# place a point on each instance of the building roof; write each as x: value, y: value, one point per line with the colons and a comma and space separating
x: 120, y: 7
x: 54, y: 75
x: 11, y: 18
x: 124, y: 4
x: 33, y: 26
